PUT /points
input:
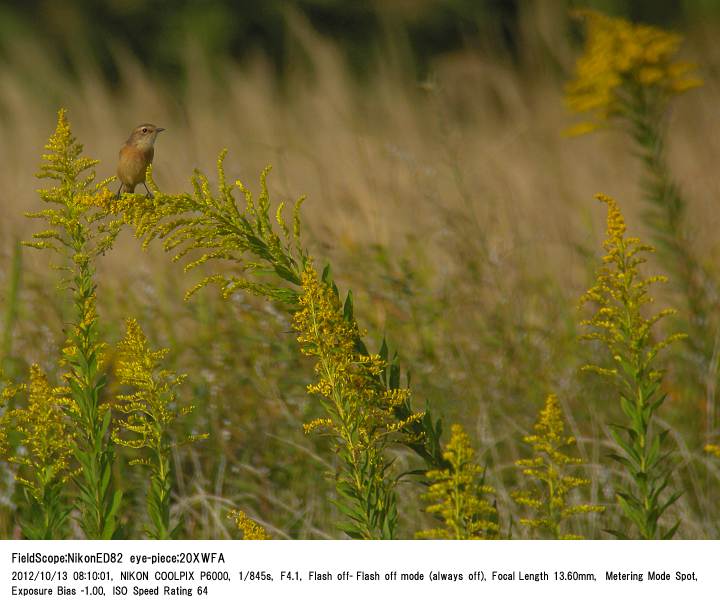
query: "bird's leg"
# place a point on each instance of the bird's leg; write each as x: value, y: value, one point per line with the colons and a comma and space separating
x: 149, y: 194
x: 117, y: 196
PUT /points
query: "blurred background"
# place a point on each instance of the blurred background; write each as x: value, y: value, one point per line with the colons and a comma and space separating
x: 427, y: 137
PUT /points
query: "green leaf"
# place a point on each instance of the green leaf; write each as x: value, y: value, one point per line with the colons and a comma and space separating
x: 348, y: 307
x: 670, y: 533
x: 383, y: 353
x: 616, y: 533
x: 627, y: 447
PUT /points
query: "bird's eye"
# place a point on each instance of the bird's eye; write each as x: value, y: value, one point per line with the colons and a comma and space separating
x: 144, y: 129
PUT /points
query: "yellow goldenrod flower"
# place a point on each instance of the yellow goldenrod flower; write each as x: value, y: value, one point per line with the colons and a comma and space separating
x: 457, y: 495
x: 78, y: 223
x: 619, y: 295
x: 547, y: 468
x: 620, y: 58
x: 139, y: 367
x: 713, y: 449
x: 150, y: 413
x: 47, y: 449
x: 247, y: 526
x: 207, y: 227
x: 318, y: 424
x: 45, y: 436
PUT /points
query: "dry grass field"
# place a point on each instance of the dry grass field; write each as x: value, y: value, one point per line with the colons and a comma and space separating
x: 454, y: 208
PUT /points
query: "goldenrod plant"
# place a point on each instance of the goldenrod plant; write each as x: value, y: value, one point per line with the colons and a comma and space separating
x: 619, y: 299
x: 250, y: 529
x: 267, y: 258
x: 628, y: 77
x: 360, y: 411
x: 212, y: 227
x: 458, y: 495
x: 42, y: 454
x: 627, y: 70
x: 549, y: 499
x: 80, y: 231
x: 151, y: 411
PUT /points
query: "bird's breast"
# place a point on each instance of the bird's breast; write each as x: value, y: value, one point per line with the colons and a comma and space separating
x: 133, y: 163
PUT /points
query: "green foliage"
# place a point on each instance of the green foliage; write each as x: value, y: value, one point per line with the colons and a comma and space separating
x: 11, y: 313
x: 457, y: 495
x: 666, y: 216
x: 620, y: 296
x: 150, y: 415
x: 547, y: 468
x: 243, y: 29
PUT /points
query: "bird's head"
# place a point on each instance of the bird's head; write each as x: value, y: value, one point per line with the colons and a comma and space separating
x: 143, y: 136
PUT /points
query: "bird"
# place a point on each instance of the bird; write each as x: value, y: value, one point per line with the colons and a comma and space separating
x: 135, y: 156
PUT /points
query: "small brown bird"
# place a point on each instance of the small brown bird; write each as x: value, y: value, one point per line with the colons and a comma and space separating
x: 135, y: 156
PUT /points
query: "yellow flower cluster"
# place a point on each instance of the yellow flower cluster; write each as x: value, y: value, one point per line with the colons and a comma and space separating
x: 203, y: 227
x: 456, y: 494
x: 79, y: 219
x: 345, y: 378
x: 148, y: 408
x: 62, y: 161
x: 45, y: 436
x: 247, y: 526
x: 547, y: 467
x: 361, y: 412
x: 620, y: 59
x: 619, y: 294
x: 150, y: 411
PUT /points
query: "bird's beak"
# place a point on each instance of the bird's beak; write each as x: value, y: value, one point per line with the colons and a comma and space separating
x: 159, y: 129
